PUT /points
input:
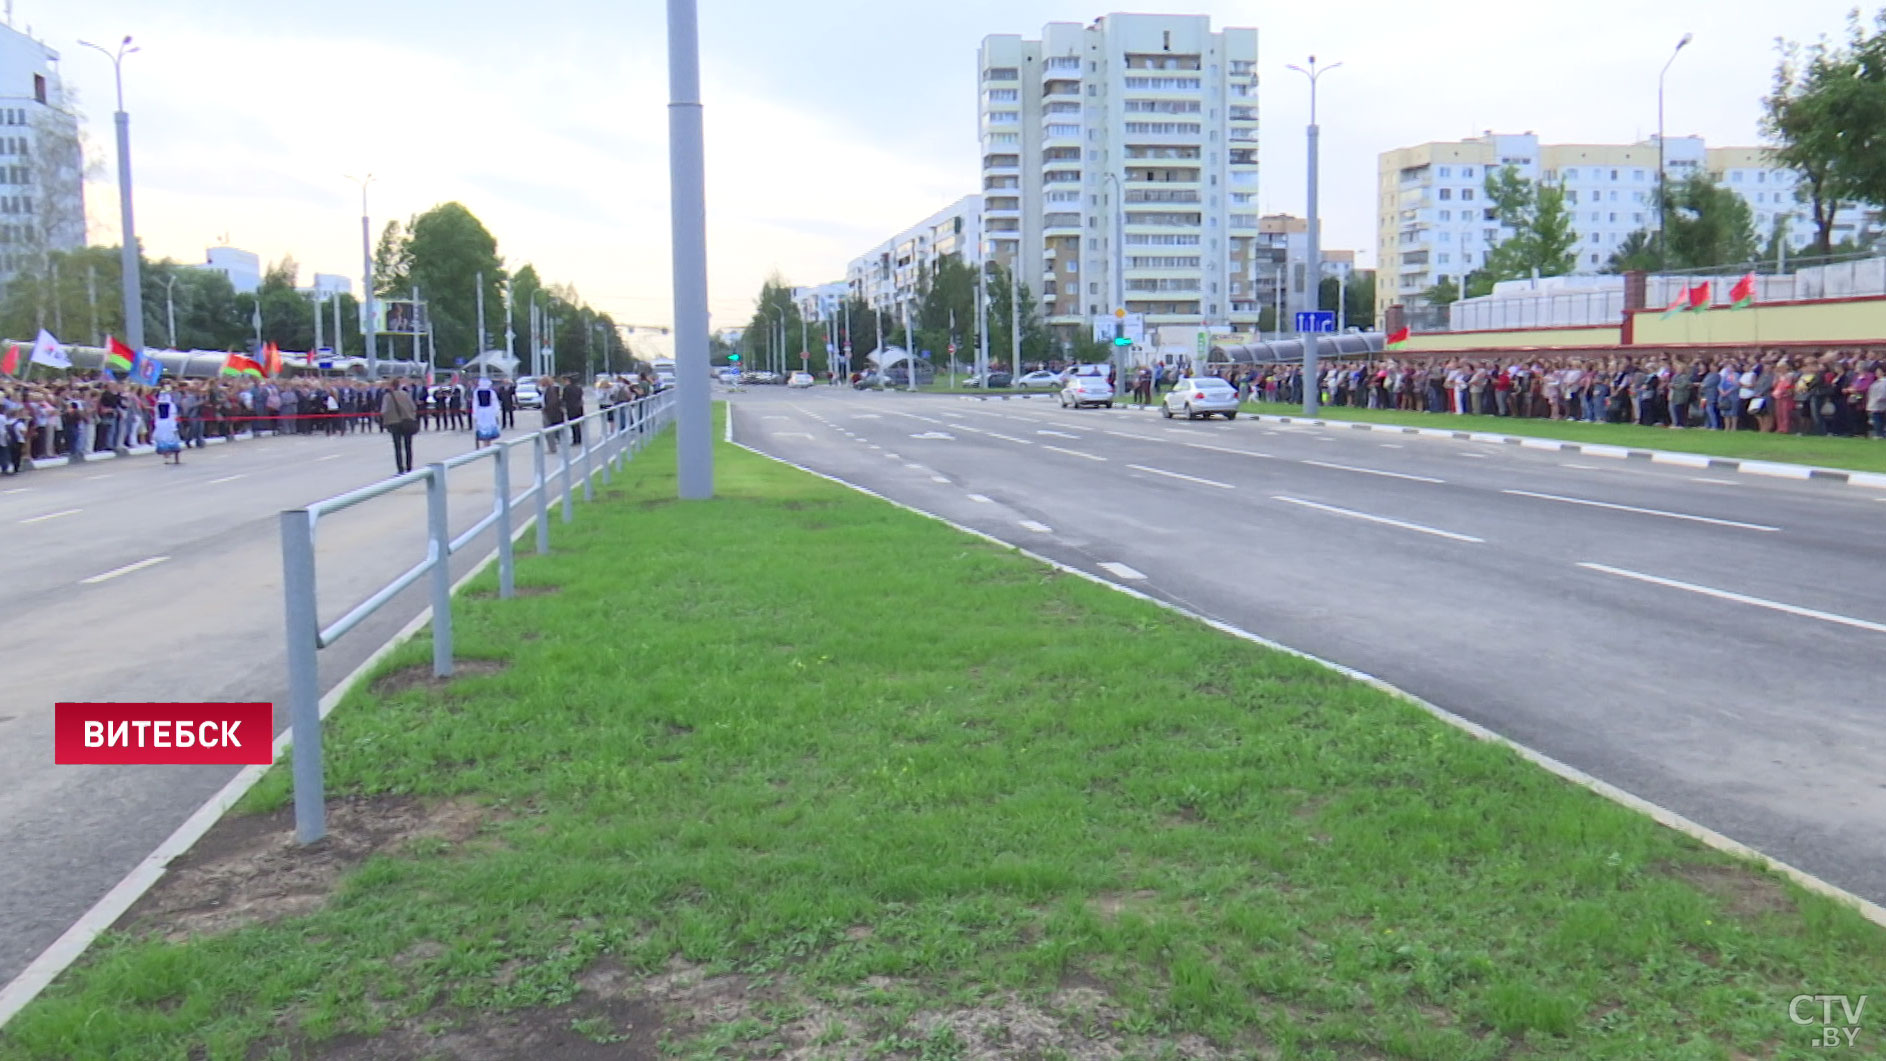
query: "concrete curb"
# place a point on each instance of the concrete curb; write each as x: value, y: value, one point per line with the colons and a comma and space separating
x: 109, y: 455
x: 1771, y: 469
x: 1867, y: 909
x: 1002, y: 397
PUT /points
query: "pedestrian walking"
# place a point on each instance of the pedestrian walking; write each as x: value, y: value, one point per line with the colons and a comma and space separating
x: 485, y: 414
x: 166, y: 437
x: 400, y: 415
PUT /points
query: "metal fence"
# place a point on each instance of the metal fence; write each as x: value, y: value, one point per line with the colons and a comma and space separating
x: 614, y: 435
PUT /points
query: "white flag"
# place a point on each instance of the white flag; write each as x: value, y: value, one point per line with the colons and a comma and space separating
x: 47, y: 351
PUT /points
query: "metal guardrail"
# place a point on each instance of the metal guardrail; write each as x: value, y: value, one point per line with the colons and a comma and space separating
x: 614, y: 435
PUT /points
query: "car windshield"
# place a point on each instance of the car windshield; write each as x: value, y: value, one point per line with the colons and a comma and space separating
x: 1211, y: 383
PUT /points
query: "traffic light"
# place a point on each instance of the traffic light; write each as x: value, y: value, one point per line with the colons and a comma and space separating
x: 1119, y: 328
x: 735, y: 358
x: 1121, y: 340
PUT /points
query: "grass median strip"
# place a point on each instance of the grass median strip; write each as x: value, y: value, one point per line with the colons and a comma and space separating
x: 1853, y: 454
x: 797, y: 774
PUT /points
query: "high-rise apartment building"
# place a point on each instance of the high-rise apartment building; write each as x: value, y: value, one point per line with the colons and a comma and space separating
x: 42, y: 188
x: 888, y: 276
x: 1120, y: 167
x: 1433, y: 224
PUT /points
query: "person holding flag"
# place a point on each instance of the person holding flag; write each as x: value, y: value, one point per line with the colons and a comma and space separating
x: 484, y: 413
x: 166, y: 437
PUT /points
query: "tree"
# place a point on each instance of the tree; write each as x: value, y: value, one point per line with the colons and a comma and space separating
x: 760, y: 346
x: 393, y: 262
x: 1358, y: 298
x: 1706, y: 225
x: 1638, y: 251
x: 449, y: 248
x: 1798, y: 116
x: 1479, y: 283
x: 1542, y: 236
x: 1002, y: 321
x: 859, y: 327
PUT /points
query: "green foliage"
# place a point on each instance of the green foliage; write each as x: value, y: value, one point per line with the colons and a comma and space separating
x: 772, y: 346
x: 1542, y: 236
x: 1706, y: 225
x: 1479, y: 282
x: 1035, y: 347
x: 1638, y: 251
x: 1826, y: 115
x: 449, y: 248
x: 1358, y: 298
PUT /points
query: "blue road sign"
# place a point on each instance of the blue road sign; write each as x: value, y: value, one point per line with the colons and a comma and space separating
x: 925, y: 355
x: 1316, y: 320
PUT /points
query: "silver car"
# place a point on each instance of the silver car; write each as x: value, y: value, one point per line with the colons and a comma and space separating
x: 1201, y: 396
x: 1081, y: 391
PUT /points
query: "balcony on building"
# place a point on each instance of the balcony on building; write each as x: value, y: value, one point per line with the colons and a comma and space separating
x: 1061, y: 88
x: 1061, y: 223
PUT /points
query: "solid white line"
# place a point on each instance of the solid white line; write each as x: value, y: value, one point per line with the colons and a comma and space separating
x: 125, y: 570
x: 1061, y: 434
x: 1228, y: 449
x: 1009, y: 438
x: 228, y: 478
x: 1662, y: 815
x: 978, y: 498
x: 1391, y: 445
x: 1120, y: 570
x: 1038, y: 528
x: 1380, y: 519
x: 1073, y: 452
x: 1372, y: 471
x: 329, y: 457
x: 23, y: 489
x: 1475, y: 456
x: 1643, y: 511
x: 1142, y: 438
x: 1181, y: 475
x: 1741, y: 598
x: 52, y: 515
x: 1712, y: 482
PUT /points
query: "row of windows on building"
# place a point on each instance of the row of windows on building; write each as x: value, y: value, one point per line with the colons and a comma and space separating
x: 13, y: 116
x: 16, y: 204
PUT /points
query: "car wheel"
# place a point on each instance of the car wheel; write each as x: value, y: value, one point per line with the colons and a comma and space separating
x: 1165, y: 410
x: 1231, y: 416
x: 1109, y: 405
x: 1189, y: 414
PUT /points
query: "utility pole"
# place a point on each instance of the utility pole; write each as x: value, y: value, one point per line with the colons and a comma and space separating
x: 340, y: 335
x: 694, y: 452
x: 982, y: 315
x: 128, y: 253
x: 1314, y: 267
x: 91, y: 302
x: 1663, y: 209
x: 910, y: 353
x: 170, y: 307
x: 482, y: 371
x: 1015, y: 331
x: 366, y: 279
x: 314, y: 354
x: 510, y: 337
x: 418, y: 352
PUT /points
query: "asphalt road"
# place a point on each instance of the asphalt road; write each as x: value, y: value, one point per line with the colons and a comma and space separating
x: 199, y: 620
x: 1708, y: 641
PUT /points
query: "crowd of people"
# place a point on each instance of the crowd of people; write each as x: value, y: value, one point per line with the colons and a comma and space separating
x: 72, y: 417
x: 1833, y: 394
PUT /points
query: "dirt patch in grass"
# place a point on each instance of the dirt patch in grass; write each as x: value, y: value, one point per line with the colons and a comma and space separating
x: 618, y: 1030
x: 249, y: 869
x: 1742, y: 891
x: 419, y: 675
x: 522, y: 591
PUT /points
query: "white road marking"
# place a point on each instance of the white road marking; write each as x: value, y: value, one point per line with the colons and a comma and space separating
x: 1644, y: 511
x: 23, y: 489
x: 125, y: 570
x: 1391, y: 445
x: 892, y: 457
x: 790, y: 434
x: 1475, y: 456
x: 1268, y: 431
x: 1038, y: 528
x: 52, y: 515
x: 944, y: 435
x: 1181, y: 475
x: 981, y: 500
x: 1009, y: 438
x: 1061, y: 434
x: 228, y: 478
x: 329, y: 457
x: 1324, y: 438
x: 1120, y: 571
x: 1373, y: 471
x: 874, y: 446
x: 1228, y: 449
x: 958, y: 416
x: 1072, y: 452
x: 866, y: 416
x: 1142, y: 438
x: 914, y: 467
x: 1583, y: 467
x: 939, y: 479
x: 771, y: 417
x: 1740, y: 598
x: 95, y: 478
x: 1714, y: 482
x: 1403, y: 524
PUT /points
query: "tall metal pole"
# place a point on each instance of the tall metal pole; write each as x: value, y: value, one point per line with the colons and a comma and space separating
x: 687, y: 197
x: 483, y: 370
x: 1119, y: 263
x: 982, y: 314
x: 1314, y: 266
x: 170, y: 308
x: 510, y: 336
x: 91, y: 302
x: 910, y: 352
x: 340, y: 335
x: 312, y: 354
x: 1015, y: 311
x: 1663, y: 198
x: 418, y: 336
x: 128, y: 254
x: 366, y: 279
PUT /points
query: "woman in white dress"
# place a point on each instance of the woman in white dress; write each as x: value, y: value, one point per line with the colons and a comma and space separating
x: 485, y: 412
x: 164, y: 436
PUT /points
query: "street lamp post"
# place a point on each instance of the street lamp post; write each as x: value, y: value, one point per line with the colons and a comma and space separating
x: 170, y: 307
x: 1663, y: 198
x: 366, y: 274
x: 1119, y: 262
x: 687, y: 196
x: 128, y: 254
x: 1313, y: 268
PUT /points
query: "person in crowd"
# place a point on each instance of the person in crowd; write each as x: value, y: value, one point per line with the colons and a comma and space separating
x: 573, y: 409
x: 400, y: 414
x: 166, y: 438
x: 553, y: 409
x: 485, y: 413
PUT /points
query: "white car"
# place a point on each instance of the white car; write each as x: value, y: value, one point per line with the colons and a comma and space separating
x: 800, y: 379
x: 1041, y: 380
x: 1201, y: 396
x: 1086, y: 390
x: 527, y: 395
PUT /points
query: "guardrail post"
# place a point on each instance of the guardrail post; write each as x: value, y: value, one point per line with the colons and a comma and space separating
x: 304, y: 674
x: 594, y: 421
x: 568, y: 487
x: 507, y: 560
x: 441, y: 549
x: 609, y: 446
x: 543, y: 494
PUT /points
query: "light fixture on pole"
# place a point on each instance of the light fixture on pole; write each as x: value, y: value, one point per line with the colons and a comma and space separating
x: 128, y: 253
x: 1313, y: 267
x: 366, y: 276
x: 1663, y: 198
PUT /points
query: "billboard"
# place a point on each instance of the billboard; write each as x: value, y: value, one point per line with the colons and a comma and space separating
x: 400, y: 317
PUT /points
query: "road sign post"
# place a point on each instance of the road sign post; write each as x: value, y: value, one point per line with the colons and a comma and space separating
x: 1316, y: 320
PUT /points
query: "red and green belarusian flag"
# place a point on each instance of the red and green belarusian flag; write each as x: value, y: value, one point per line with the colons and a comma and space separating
x: 238, y: 365
x: 1398, y: 339
x: 118, y: 357
x: 1742, y: 295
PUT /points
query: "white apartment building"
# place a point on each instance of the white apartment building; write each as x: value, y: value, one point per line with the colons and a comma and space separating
x: 1280, y: 267
x: 1144, y: 125
x: 42, y: 188
x: 327, y: 285
x: 886, y: 276
x: 822, y: 302
x: 242, y: 268
x: 1432, y: 224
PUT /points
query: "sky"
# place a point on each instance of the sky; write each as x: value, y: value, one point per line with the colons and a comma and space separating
x: 831, y: 124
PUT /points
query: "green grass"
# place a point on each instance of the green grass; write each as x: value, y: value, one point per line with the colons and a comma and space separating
x: 1856, y: 454
x: 874, y: 778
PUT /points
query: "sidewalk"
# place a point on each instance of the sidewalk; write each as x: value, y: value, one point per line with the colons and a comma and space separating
x: 795, y: 773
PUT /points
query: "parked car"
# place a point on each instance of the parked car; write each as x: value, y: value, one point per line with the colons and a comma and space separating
x: 1039, y: 381
x: 899, y: 376
x: 1201, y: 396
x: 868, y: 381
x: 800, y: 379
x: 996, y: 381
x: 528, y: 396
x: 1082, y: 391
